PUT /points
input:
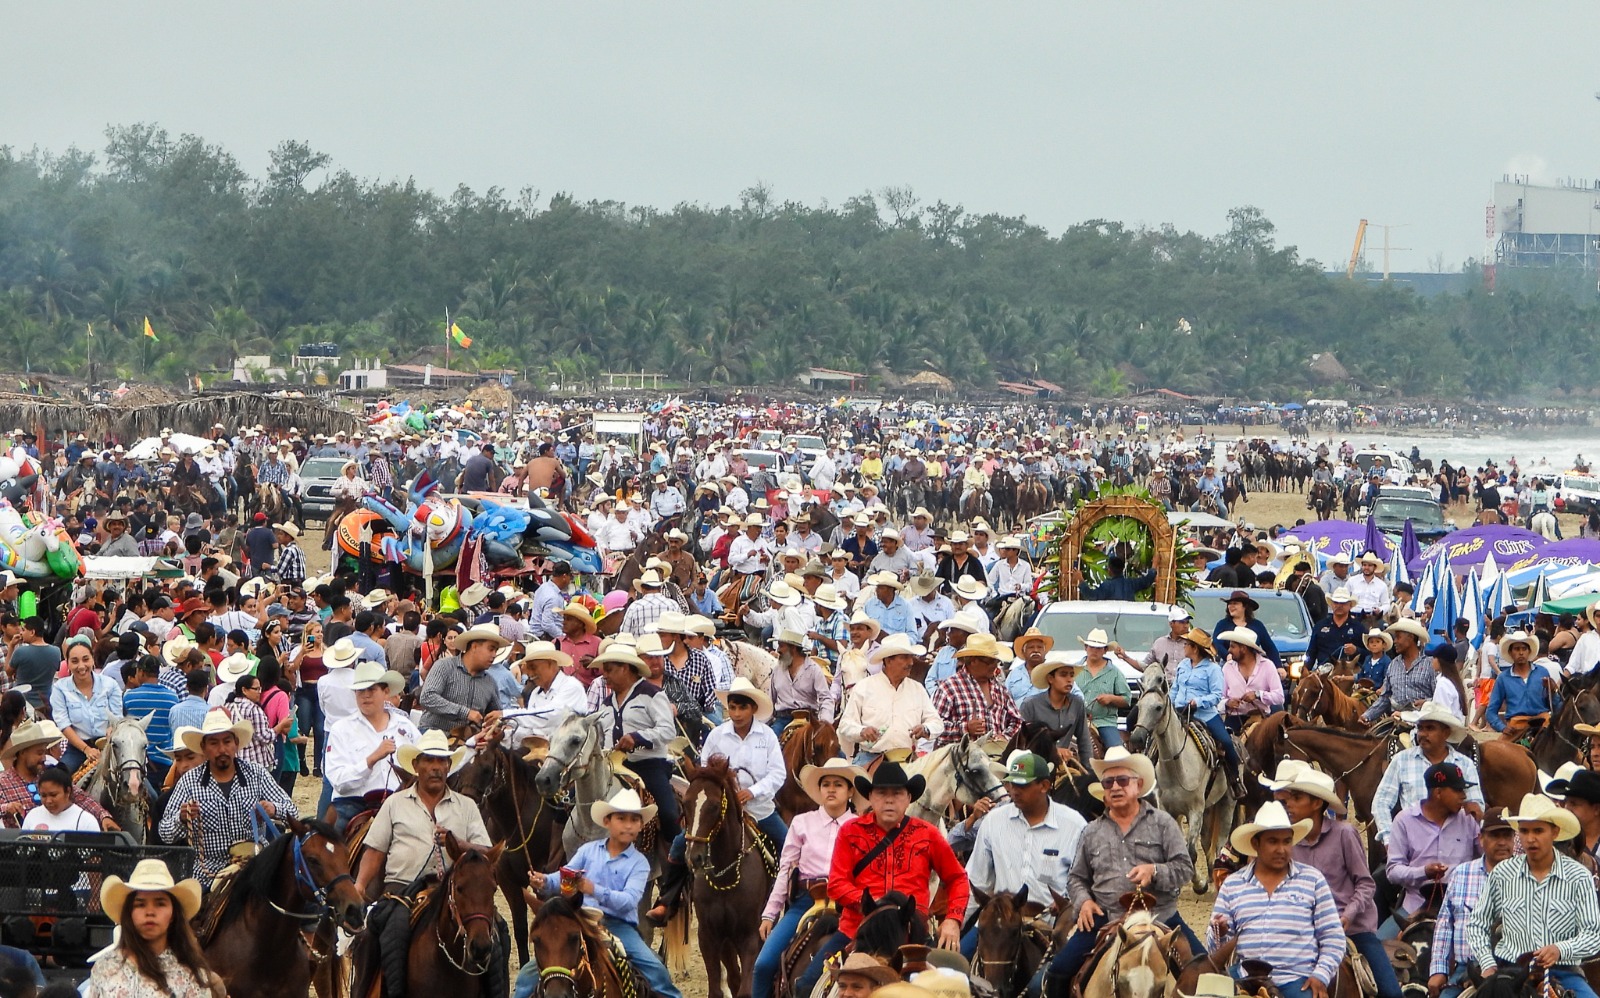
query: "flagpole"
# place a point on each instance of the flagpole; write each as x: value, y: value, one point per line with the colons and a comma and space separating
x: 447, y: 338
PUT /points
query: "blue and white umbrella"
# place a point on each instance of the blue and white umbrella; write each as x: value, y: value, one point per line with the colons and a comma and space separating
x: 1446, y: 607
x: 1497, y: 598
x: 1472, y: 610
x: 1398, y: 572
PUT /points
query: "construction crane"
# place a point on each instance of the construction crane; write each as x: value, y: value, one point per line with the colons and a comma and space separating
x: 1355, y: 254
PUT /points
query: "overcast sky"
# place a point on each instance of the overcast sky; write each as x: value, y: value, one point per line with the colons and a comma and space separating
x: 1320, y: 114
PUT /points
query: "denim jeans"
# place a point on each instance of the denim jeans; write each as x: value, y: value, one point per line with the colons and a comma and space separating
x: 656, y: 775
x: 778, y: 940
x: 1110, y: 735
x: 1219, y: 731
x: 813, y: 973
x: 645, y: 960
x: 309, y: 708
x: 345, y: 808
x: 1371, y: 947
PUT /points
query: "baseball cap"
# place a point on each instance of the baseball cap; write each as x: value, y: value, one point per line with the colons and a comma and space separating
x: 1444, y: 774
x: 1495, y: 821
x: 1026, y: 767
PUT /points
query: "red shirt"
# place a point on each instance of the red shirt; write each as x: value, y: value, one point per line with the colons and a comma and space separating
x: 80, y: 618
x: 906, y: 866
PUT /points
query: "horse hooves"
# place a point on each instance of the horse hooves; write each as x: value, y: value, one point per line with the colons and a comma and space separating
x: 1201, y: 889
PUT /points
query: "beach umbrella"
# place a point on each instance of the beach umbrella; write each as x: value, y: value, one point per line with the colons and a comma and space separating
x: 1446, y: 608
x: 1572, y: 551
x: 1327, y: 538
x: 1497, y: 598
x: 1398, y: 572
x: 1410, y: 547
x: 1540, y: 594
x: 1468, y: 548
x: 1489, y: 572
x: 1426, y: 585
x: 1472, y: 609
x: 1375, y: 539
x: 1578, y: 587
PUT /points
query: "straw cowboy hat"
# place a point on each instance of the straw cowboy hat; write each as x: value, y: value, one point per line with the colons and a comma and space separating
x: 650, y: 578
x: 1214, y: 986
x: 743, y: 687
x: 217, y: 722
x: 1437, y: 714
x: 1096, y: 638
x: 344, y: 653
x: 149, y: 875
x: 1538, y: 807
x: 1271, y: 818
x: 921, y: 584
x: 474, y: 594
x: 1295, y: 775
x: 828, y: 597
x: 981, y: 646
x: 895, y: 644
x: 860, y: 618
x: 961, y: 620
x: 287, y: 528
x: 1241, y: 635
x: 870, y: 967
x: 435, y: 744
x: 882, y: 579
x: 1201, y: 640
x: 580, y: 613
x: 624, y: 802
x: 672, y: 622
x: 1118, y: 757
x: 1054, y: 660
x: 844, y: 769
x: 235, y: 667
x: 175, y: 651
x: 1032, y: 636
x: 970, y: 589
x: 624, y: 655
x: 1378, y: 635
x: 1341, y: 595
x: 472, y: 635
x: 650, y: 643
x: 1593, y: 613
x: 370, y: 674
x: 783, y: 594
x: 546, y: 651
x: 30, y: 734
x: 1518, y: 638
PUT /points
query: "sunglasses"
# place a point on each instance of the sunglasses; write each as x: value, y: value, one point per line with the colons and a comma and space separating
x: 1118, y: 781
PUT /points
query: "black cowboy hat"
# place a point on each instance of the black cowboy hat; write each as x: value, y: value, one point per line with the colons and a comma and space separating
x: 1584, y: 785
x: 890, y: 776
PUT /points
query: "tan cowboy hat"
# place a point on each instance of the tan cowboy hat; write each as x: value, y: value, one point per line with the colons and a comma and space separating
x: 625, y: 801
x: 1200, y: 639
x: 621, y: 653
x: 1030, y: 636
x: 287, y: 528
x: 235, y: 667
x: 882, y: 579
x: 1214, y: 986
x: 472, y: 635
x: 1039, y: 676
x: 922, y: 584
x: 980, y: 646
x: 844, y: 769
x: 30, y: 734
x: 1593, y: 613
x: 1437, y: 713
x: 895, y: 644
x: 1010, y: 542
x: 745, y: 688
x: 370, y: 674
x: 342, y: 654
x: 546, y: 651
x: 921, y: 511
x: 149, y: 875
x: 1295, y: 775
x: 1118, y: 757
x: 375, y: 599
x: 1538, y: 807
x: 1241, y: 635
x: 1341, y: 595
x: 1271, y: 818
x: 434, y: 744
x: 176, y: 650
x: 650, y: 578
x: 860, y: 617
x: 1096, y: 638
x: 580, y: 613
x: 754, y: 520
x: 218, y: 722
x: 970, y: 589
x: 827, y: 596
x: 1378, y: 635
x: 1406, y: 625
x: 703, y: 626
x: 1519, y: 638
x: 868, y: 966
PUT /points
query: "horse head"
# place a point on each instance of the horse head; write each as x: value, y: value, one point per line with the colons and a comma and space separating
x: 977, y: 776
x: 322, y: 873
x: 126, y: 746
x: 1143, y: 967
x: 889, y: 922
x: 1000, y: 935
x: 574, y: 746
x: 1150, y: 711
x: 711, y: 809
x: 560, y: 941
x: 469, y: 891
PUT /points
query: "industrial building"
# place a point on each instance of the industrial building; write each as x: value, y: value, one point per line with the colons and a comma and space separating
x: 1543, y: 226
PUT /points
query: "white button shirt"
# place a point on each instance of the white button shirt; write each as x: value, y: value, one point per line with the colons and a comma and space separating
x: 744, y: 555
x: 566, y: 694
x: 893, y: 710
x: 1005, y: 579
x: 757, y: 759
x: 1370, y: 595
x: 351, y: 740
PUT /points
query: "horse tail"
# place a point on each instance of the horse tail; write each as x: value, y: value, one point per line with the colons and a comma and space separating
x: 675, y: 939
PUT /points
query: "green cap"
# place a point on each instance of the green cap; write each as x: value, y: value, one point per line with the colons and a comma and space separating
x: 1026, y: 767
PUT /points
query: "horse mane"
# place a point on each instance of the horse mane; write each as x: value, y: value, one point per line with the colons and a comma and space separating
x: 873, y: 937
x: 255, y: 879
x: 718, y: 770
x: 1352, y: 736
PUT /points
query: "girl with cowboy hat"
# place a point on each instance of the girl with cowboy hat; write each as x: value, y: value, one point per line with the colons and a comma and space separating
x: 1198, y: 686
x: 156, y: 953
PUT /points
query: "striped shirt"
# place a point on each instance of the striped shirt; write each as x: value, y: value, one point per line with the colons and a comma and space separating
x: 1450, y: 951
x: 157, y: 701
x: 1561, y: 910
x: 1402, y: 787
x: 1271, y: 925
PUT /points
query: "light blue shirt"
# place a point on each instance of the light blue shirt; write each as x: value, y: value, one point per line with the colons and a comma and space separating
x: 1200, y: 685
x: 619, y: 881
x: 87, y: 715
x: 506, y: 685
x: 943, y: 667
x: 894, y: 618
x: 371, y: 651
x: 190, y: 712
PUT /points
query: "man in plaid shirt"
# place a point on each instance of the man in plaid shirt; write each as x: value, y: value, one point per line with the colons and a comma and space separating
x: 27, y: 754
x: 971, y: 702
x: 1450, y: 954
x: 290, y: 567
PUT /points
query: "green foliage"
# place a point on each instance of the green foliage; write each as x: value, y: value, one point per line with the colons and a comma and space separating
x: 226, y: 264
x: 1120, y: 535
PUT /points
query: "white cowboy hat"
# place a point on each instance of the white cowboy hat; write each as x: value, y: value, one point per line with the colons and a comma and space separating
x: 622, y: 653
x: 546, y: 651
x: 844, y: 769
x: 1271, y: 818
x: 474, y: 594
x: 433, y: 743
x: 375, y: 599
x: 959, y: 537
x: 961, y: 620
x: 177, y: 739
x: 1406, y: 625
x: 921, y: 511
x: 217, y: 722
x: 1009, y: 543
x: 895, y: 644
x: 30, y: 734
x: 176, y: 650
x: 672, y: 622
x: 1240, y: 635
x: 862, y: 619
x: 743, y: 687
x: 342, y: 654
x: 1538, y: 807
x: 882, y: 579
x: 624, y: 802
x: 650, y: 578
x: 1518, y: 638
x: 1341, y: 595
x: 700, y: 625
x: 828, y: 597
x: 1096, y: 638
x: 370, y: 674
x: 480, y: 632
x: 650, y: 643
x: 1342, y: 558
x: 1437, y: 713
x: 287, y: 528
x: 1563, y: 773
x: 1377, y: 635
x: 783, y: 594
x: 970, y: 589
x: 149, y: 875
x: 1293, y: 774
x: 235, y: 667
x: 1118, y: 757
x: 1053, y: 660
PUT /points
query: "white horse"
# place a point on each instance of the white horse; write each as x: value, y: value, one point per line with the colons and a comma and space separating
x: 960, y: 771
x: 1186, y: 787
x: 1137, y: 963
x: 1543, y: 523
x: 578, y: 759
x: 119, y: 781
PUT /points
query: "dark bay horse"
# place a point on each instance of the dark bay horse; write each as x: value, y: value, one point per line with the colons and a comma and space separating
x: 254, y: 932
x: 574, y: 958
x: 1318, y: 698
x: 807, y: 741
x: 1072, y: 782
x: 731, y: 878
x: 516, y: 814
x: 1012, y: 940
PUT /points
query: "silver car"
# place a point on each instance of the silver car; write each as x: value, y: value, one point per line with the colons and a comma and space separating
x: 318, y: 474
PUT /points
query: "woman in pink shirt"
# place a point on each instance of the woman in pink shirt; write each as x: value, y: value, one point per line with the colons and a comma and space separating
x: 808, y: 851
x: 1249, y: 679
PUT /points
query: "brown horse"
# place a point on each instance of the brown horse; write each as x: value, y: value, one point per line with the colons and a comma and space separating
x: 731, y: 876
x: 1033, y: 498
x: 254, y: 931
x: 1318, y: 698
x: 454, y: 935
x: 1012, y: 941
x: 574, y: 957
x: 807, y: 741
x: 516, y: 814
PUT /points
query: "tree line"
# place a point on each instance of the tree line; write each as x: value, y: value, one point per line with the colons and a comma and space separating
x: 226, y: 264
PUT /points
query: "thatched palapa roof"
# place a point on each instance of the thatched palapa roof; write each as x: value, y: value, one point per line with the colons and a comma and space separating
x: 134, y: 417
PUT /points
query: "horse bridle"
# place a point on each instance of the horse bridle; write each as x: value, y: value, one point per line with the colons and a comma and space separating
x: 579, y: 765
x: 309, y: 890
x: 962, y: 779
x: 1322, y: 691
x: 465, y: 964
x: 736, y: 865
x: 571, y: 975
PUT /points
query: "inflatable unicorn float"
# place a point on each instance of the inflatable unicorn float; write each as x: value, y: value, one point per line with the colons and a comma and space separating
x: 429, y: 537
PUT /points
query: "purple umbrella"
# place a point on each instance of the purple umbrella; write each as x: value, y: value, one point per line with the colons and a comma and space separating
x: 1512, y: 547
x: 1374, y: 535
x: 1330, y: 537
x: 1410, y: 547
x: 1572, y: 551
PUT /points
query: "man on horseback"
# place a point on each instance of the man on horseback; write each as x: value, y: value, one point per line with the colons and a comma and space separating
x: 361, y: 747
x: 1410, y: 679
x: 1522, y: 690
x: 889, y: 711
x: 1435, y: 729
x: 1429, y: 839
x: 1266, y: 905
x: 887, y: 850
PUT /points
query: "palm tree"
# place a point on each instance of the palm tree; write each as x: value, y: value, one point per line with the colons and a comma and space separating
x: 232, y: 332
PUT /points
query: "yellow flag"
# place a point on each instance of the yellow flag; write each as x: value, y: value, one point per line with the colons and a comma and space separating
x: 149, y: 330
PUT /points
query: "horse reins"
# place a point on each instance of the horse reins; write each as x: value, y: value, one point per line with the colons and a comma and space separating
x: 736, y: 865
x: 571, y: 976
x: 465, y: 965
